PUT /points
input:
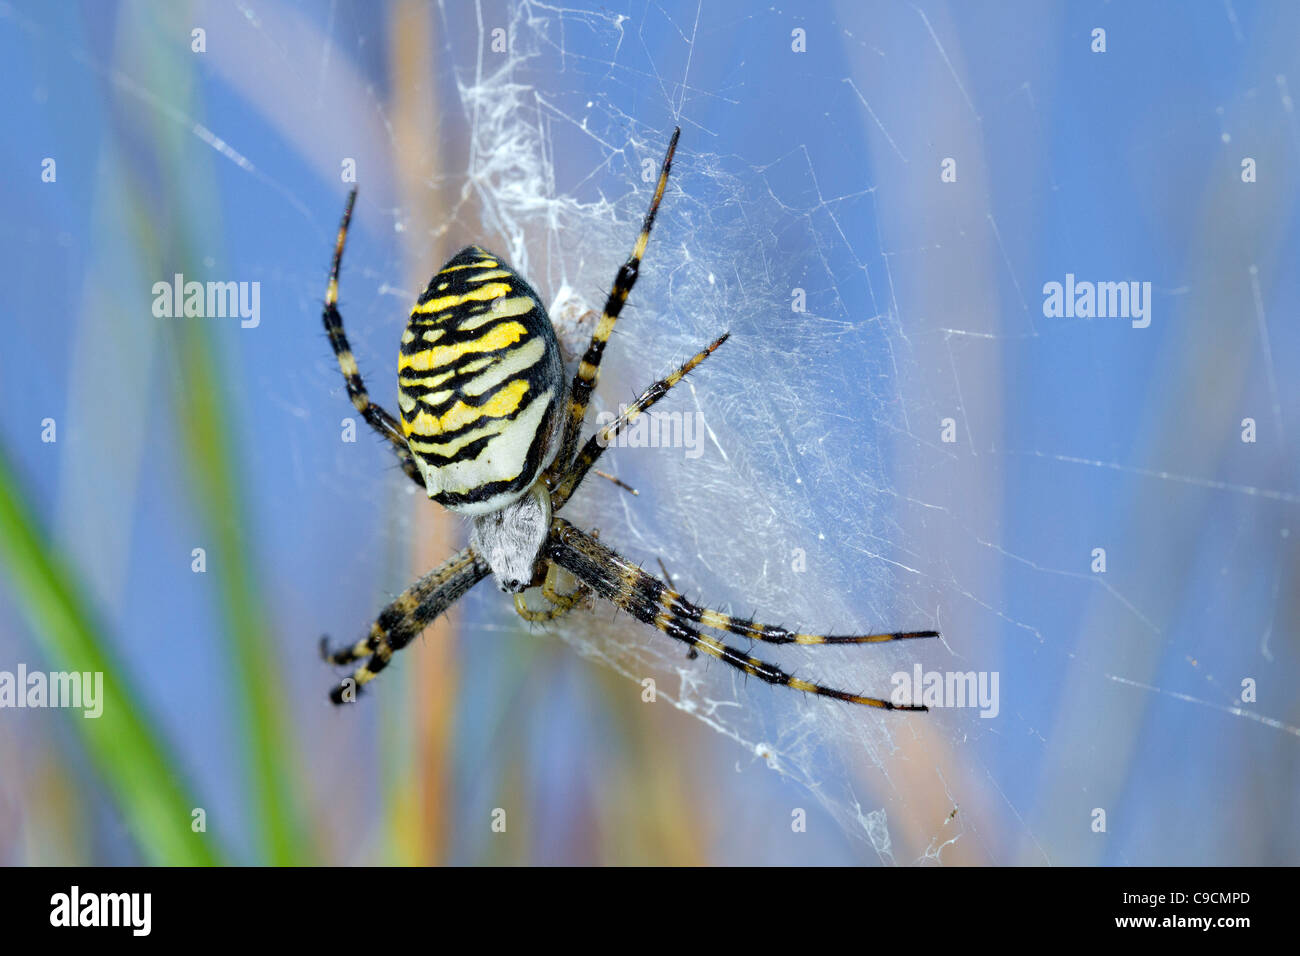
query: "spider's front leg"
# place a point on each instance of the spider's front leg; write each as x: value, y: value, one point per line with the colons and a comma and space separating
x: 567, y: 483
x: 584, y: 382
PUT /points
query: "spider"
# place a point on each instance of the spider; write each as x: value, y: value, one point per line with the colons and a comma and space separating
x: 489, y: 431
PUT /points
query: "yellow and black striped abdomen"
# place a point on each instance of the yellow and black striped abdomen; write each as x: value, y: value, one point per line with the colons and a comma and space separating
x: 480, y: 384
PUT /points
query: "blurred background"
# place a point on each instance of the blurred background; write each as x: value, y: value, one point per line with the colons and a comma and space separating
x: 895, y: 436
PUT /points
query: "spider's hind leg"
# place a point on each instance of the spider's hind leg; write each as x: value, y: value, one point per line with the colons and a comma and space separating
x: 648, y: 599
x: 376, y: 416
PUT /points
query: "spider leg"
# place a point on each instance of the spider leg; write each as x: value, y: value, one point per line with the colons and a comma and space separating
x: 378, y: 419
x: 598, y: 442
x: 561, y: 604
x: 403, y: 619
x: 584, y: 382
x: 648, y: 599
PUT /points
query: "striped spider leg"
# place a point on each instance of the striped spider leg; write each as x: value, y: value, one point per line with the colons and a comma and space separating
x: 584, y: 382
x: 649, y: 600
x: 583, y: 460
x: 403, y: 620
x: 611, y: 576
x: 375, y: 415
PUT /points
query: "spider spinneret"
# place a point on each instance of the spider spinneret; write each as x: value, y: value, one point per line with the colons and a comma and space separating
x: 489, y: 430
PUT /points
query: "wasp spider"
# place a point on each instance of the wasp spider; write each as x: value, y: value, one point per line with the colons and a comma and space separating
x: 488, y: 430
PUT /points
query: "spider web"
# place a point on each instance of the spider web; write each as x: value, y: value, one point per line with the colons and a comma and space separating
x: 766, y: 519
x: 826, y: 494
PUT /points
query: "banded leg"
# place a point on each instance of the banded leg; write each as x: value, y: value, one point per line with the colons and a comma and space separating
x: 584, y: 383
x: 403, y: 619
x: 561, y: 604
x: 648, y: 599
x: 598, y: 442
x: 378, y: 419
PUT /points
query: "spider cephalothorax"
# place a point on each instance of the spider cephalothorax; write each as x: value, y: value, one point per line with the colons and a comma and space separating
x: 489, y: 430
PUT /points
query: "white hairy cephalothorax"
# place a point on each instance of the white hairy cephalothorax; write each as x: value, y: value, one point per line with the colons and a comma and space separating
x: 510, y: 538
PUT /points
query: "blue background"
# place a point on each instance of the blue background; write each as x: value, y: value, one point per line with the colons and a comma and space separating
x: 817, y: 170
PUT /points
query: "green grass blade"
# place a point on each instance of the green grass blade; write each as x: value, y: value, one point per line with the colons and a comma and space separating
x: 130, y: 758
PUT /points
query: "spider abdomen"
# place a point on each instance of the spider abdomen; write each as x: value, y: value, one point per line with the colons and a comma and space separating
x: 480, y: 384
